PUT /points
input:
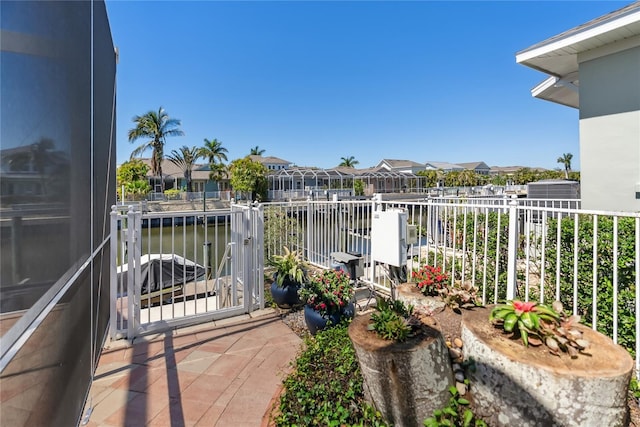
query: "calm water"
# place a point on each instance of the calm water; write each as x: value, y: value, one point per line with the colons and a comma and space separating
x: 187, y: 241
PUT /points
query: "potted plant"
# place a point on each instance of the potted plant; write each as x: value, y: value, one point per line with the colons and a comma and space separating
x: 290, y: 274
x: 328, y: 296
x: 541, y: 367
x: 405, y: 364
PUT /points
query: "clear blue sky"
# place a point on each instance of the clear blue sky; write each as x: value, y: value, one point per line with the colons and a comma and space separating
x: 311, y: 82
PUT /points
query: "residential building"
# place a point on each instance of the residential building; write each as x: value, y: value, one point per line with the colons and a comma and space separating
x: 408, y: 166
x: 443, y: 166
x: 478, y: 167
x: 173, y: 177
x: 595, y: 68
x: 271, y: 163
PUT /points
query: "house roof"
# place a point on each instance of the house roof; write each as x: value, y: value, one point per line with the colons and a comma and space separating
x: 269, y: 159
x: 395, y: 163
x: 444, y: 165
x: 169, y: 169
x: 558, y: 55
x: 474, y: 165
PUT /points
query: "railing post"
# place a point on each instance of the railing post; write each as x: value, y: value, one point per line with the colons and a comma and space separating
x: 512, y: 250
x: 113, y: 273
x: 132, y: 297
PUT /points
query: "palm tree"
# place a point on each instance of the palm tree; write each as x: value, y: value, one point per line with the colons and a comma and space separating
x: 348, y: 162
x: 256, y: 151
x: 155, y: 126
x: 565, y: 159
x: 215, y: 153
x: 185, y: 159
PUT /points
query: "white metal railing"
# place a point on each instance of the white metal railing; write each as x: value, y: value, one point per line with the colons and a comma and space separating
x: 541, y: 250
x: 171, y: 269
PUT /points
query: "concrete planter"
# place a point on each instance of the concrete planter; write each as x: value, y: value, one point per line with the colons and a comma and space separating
x: 409, y: 294
x: 406, y: 381
x: 514, y: 385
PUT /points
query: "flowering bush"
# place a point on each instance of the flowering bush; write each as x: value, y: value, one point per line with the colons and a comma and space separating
x: 328, y: 292
x: 430, y: 279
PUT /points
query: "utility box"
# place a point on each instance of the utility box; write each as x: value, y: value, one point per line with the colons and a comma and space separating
x: 389, y: 237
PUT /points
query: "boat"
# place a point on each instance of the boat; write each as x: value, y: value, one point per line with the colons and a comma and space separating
x: 163, y: 277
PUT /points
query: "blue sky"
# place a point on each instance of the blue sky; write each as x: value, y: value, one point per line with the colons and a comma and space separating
x: 311, y: 82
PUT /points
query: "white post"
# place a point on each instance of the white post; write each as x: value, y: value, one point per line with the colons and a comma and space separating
x: 132, y: 297
x: 113, y: 276
x: 512, y: 250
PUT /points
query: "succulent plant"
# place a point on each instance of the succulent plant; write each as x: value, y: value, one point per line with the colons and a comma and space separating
x: 460, y: 296
x: 392, y: 321
x: 540, y: 324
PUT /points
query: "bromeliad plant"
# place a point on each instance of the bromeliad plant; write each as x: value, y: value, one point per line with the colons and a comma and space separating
x: 328, y: 292
x: 289, y: 267
x: 392, y: 320
x: 430, y: 280
x: 538, y: 323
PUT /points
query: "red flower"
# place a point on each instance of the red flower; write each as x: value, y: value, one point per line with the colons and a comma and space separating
x: 524, y: 307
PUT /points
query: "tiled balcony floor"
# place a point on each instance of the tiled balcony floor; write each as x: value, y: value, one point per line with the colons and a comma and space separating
x: 216, y: 374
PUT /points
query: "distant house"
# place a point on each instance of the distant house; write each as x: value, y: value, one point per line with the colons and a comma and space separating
x: 272, y: 163
x: 478, y: 167
x: 173, y: 177
x: 394, y: 165
x: 595, y: 68
x: 443, y: 166
x: 510, y: 170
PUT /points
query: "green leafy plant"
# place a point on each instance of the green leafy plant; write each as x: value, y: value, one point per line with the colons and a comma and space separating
x: 325, y: 387
x: 537, y: 324
x: 392, y: 320
x: 290, y: 267
x: 430, y: 279
x: 456, y: 414
x: 328, y: 292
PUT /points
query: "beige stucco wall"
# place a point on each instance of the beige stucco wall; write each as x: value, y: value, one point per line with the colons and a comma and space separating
x: 610, y: 131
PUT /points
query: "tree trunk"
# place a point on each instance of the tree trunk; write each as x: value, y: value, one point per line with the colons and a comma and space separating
x: 405, y: 381
x: 513, y: 385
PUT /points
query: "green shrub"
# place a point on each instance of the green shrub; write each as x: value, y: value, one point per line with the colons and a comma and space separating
x: 325, y: 388
x: 172, y: 194
x: 604, y: 281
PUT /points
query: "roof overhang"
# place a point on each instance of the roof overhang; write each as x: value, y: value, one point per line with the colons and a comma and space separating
x: 560, y: 55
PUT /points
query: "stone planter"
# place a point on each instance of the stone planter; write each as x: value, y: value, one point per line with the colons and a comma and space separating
x: 405, y: 381
x: 517, y: 386
x: 316, y: 322
x: 409, y: 294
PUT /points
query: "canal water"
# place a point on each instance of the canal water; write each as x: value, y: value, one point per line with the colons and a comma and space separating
x: 188, y: 241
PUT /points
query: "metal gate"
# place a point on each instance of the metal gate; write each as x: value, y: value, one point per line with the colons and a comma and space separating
x: 173, y: 269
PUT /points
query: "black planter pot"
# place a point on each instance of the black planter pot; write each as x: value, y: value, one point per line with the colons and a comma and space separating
x: 316, y: 322
x: 287, y: 295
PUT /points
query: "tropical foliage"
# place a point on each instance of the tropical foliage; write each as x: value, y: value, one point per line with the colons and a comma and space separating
x: 185, y: 158
x: 289, y: 267
x: 133, y: 176
x: 348, y: 162
x: 216, y: 155
x: 249, y: 177
x: 565, y: 159
x: 256, y: 151
x: 155, y: 127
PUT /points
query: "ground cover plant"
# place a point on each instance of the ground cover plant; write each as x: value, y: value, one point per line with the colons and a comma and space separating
x: 325, y: 387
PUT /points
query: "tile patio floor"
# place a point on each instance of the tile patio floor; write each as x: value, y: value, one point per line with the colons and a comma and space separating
x: 223, y: 373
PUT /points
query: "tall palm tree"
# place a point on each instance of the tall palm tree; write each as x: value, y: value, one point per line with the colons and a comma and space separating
x: 155, y: 126
x: 565, y: 159
x: 256, y: 151
x: 348, y: 162
x: 215, y: 153
x: 185, y: 158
